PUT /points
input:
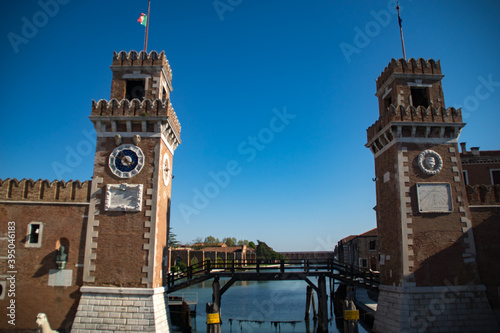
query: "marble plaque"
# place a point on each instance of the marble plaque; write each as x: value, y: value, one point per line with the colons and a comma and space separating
x: 434, y: 198
x: 124, y: 197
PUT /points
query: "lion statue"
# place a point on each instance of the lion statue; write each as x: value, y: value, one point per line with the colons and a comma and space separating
x: 42, y: 324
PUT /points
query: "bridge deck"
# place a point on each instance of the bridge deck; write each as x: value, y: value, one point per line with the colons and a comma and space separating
x: 285, y: 270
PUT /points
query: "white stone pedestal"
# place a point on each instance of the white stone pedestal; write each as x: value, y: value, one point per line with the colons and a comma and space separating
x: 122, y: 310
x: 434, y: 309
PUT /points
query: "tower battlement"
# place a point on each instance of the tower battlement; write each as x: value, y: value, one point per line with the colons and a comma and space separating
x: 137, y: 108
x: 134, y: 58
x: 410, y: 66
x: 415, y: 115
x: 44, y: 190
x: 483, y: 194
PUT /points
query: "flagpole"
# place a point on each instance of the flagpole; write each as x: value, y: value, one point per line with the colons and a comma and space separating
x: 400, y: 31
x: 147, y: 28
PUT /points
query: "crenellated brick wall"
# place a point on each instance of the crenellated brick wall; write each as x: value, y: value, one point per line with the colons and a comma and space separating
x: 410, y: 66
x: 44, y: 190
x: 483, y: 194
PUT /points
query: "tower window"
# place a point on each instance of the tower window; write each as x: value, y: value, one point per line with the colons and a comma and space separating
x: 135, y: 89
x: 373, y: 245
x: 387, y: 102
x: 420, y: 97
x: 495, y: 176
x: 34, y: 234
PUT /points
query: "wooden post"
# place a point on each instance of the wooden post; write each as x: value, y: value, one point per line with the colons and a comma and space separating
x: 213, y: 310
x: 308, y: 302
x: 322, y: 305
x: 350, y: 323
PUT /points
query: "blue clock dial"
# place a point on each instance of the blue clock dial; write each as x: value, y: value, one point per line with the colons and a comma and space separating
x: 126, y: 160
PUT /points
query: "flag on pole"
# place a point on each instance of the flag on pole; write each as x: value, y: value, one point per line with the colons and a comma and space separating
x: 143, y: 19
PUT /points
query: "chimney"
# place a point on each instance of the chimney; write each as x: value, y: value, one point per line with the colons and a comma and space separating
x: 475, y: 151
x: 463, y: 147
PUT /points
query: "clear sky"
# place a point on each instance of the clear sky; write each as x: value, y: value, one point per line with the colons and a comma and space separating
x: 284, y: 90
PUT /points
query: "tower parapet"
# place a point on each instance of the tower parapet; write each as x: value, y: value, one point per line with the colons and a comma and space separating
x: 44, y: 190
x: 410, y: 66
x: 134, y: 58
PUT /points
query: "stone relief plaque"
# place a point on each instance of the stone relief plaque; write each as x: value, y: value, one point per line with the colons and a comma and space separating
x: 124, y: 197
x: 430, y: 162
x: 434, y: 198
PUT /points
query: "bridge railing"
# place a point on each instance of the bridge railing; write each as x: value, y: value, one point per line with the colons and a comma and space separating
x: 308, y: 266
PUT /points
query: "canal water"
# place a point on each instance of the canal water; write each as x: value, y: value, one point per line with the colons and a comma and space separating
x: 259, y: 306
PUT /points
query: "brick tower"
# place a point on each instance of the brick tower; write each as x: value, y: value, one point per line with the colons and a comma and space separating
x: 126, y: 239
x: 429, y: 275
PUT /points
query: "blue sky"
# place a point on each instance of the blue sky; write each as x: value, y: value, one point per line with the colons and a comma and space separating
x: 237, y: 65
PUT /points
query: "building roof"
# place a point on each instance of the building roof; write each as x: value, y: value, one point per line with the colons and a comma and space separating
x: 369, y: 233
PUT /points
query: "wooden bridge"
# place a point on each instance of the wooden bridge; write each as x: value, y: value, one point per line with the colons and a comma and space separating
x: 279, y: 270
x: 260, y: 270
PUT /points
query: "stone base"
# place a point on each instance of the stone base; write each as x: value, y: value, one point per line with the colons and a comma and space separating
x: 434, y: 309
x: 122, y: 310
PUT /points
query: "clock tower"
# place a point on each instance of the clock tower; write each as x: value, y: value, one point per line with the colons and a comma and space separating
x: 429, y: 275
x: 126, y: 238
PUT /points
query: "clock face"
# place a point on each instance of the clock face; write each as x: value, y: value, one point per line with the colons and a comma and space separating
x: 126, y: 161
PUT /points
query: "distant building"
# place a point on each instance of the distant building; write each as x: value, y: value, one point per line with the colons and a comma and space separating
x: 480, y: 167
x: 360, y: 251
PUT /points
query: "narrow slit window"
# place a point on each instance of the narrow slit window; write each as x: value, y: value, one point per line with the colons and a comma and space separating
x: 495, y: 176
x: 387, y: 102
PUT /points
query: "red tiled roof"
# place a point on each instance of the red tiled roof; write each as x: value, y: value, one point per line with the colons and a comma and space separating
x: 372, y: 232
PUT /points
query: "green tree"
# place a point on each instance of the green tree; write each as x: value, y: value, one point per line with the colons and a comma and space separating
x: 243, y: 242
x: 211, y: 240
x: 172, y: 241
x: 266, y: 253
x: 229, y: 241
x: 251, y: 245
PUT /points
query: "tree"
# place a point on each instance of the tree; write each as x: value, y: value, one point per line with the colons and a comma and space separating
x: 251, y: 245
x: 230, y: 241
x: 243, y: 242
x: 210, y: 240
x: 172, y: 241
x: 266, y: 253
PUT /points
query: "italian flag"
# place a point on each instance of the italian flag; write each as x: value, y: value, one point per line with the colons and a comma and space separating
x: 143, y: 19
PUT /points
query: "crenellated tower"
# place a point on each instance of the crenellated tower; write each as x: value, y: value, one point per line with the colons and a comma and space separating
x: 126, y: 244
x: 423, y: 218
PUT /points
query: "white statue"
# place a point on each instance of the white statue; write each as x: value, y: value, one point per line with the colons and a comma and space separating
x: 42, y: 324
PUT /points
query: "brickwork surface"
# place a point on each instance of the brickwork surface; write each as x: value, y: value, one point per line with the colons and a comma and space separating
x: 124, y: 312
x: 448, y: 308
x: 33, y: 264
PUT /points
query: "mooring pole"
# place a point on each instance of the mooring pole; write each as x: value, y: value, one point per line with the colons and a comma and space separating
x: 213, y: 310
x: 322, y: 305
x: 308, y: 302
x: 351, y: 316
